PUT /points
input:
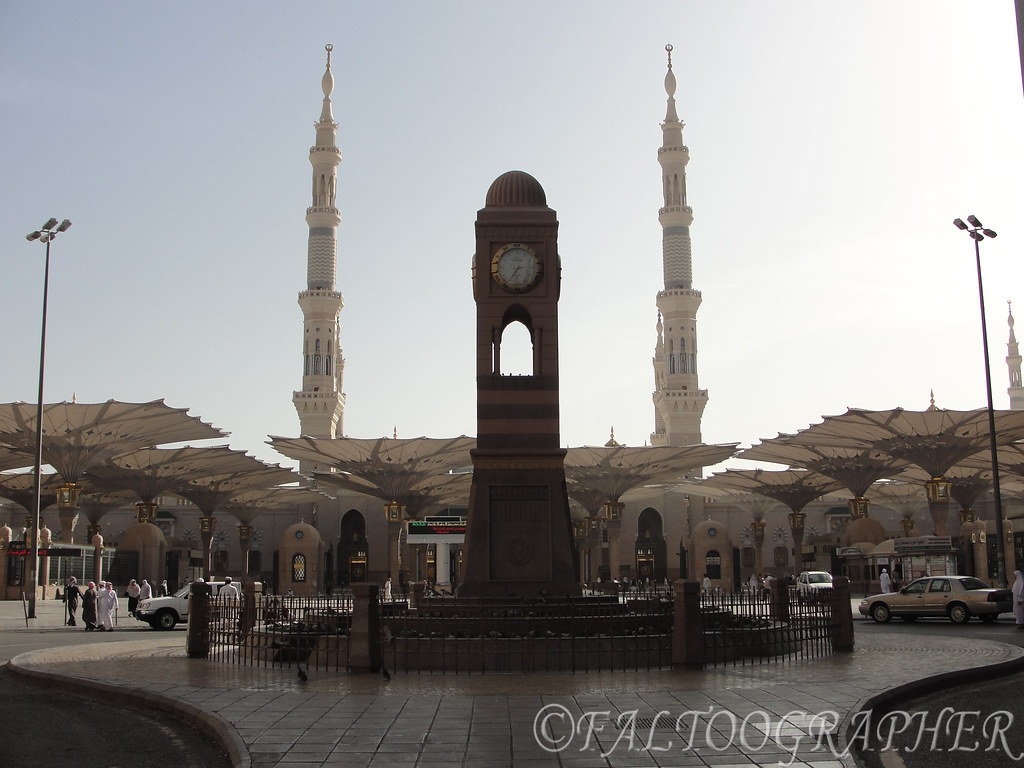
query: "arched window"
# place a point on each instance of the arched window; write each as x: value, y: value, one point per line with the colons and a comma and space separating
x: 516, y: 350
x: 671, y: 358
x: 298, y: 567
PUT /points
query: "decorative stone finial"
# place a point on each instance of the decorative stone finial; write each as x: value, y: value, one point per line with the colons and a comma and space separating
x: 668, y: 50
x: 330, y: 48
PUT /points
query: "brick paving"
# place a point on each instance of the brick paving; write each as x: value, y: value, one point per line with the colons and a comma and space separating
x: 753, y: 715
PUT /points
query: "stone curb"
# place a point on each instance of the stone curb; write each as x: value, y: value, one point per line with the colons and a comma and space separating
x: 926, y: 685
x: 208, y: 723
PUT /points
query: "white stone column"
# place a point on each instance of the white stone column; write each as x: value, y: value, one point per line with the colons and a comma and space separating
x: 442, y: 563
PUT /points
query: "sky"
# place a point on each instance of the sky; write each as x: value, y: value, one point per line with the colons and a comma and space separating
x: 831, y: 147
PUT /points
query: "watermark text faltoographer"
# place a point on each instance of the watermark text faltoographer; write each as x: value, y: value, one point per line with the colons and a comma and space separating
x: 557, y: 729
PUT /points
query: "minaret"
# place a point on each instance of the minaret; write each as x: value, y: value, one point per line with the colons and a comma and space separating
x: 321, y: 403
x: 1016, y: 391
x: 678, y: 401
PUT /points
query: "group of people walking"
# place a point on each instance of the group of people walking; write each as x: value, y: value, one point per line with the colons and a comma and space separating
x: 99, y: 602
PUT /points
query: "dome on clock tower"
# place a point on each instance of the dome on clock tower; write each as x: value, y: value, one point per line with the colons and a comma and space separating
x: 515, y: 189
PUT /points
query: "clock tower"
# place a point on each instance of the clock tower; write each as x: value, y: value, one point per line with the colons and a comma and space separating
x: 519, y: 532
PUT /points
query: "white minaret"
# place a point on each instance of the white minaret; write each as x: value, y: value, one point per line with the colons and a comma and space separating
x: 321, y: 403
x: 678, y: 401
x: 1013, y: 360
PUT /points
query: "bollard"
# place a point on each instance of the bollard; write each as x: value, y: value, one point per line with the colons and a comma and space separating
x: 198, y: 641
x: 687, y: 626
x: 842, y: 615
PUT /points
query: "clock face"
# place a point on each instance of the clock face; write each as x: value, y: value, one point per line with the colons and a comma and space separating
x: 516, y: 267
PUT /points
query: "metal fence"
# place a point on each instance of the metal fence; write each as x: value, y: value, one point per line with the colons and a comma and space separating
x: 455, y: 635
x: 449, y: 635
x: 757, y: 627
x: 276, y: 630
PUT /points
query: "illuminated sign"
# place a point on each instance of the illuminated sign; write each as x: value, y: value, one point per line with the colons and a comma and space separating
x: 22, y: 551
x: 450, y: 530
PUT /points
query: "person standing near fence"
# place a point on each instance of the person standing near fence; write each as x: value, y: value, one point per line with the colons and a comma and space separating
x: 162, y: 589
x: 145, y: 591
x: 1018, y: 598
x: 885, y: 581
x: 71, y: 596
x: 229, y: 590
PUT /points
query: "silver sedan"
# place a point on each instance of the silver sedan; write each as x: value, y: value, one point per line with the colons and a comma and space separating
x: 956, y: 597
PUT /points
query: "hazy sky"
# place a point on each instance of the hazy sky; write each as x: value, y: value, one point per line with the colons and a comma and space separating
x: 831, y: 145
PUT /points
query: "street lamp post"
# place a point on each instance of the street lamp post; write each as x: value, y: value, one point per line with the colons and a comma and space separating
x: 44, y: 234
x: 974, y: 228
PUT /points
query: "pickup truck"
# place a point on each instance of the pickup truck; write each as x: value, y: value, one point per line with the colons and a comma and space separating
x: 167, y: 612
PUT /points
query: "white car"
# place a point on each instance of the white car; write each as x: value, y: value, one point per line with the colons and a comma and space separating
x: 809, y: 583
x: 167, y: 612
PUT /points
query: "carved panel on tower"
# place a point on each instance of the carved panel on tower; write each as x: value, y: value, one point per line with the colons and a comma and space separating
x: 520, y: 533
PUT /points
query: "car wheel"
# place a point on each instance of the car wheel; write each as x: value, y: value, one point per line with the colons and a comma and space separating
x: 958, y: 613
x: 165, y: 620
x: 880, y: 613
x: 989, y: 618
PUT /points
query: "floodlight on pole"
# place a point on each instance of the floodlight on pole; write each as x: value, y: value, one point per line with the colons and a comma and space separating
x: 979, y: 233
x: 44, y: 234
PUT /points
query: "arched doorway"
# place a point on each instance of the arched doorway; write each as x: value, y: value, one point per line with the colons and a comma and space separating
x: 651, y: 560
x: 353, y: 549
x: 713, y: 564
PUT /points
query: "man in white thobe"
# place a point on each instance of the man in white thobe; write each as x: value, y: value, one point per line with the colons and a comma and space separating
x: 106, y: 606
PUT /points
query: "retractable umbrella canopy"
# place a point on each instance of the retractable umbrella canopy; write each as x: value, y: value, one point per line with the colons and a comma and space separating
x: 77, y: 436
x: 416, y: 472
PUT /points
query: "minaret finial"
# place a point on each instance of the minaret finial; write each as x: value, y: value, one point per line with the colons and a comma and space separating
x: 932, y: 406
x: 670, y: 89
x: 330, y: 48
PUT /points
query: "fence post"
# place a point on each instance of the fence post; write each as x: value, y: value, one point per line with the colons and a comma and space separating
x: 364, y: 651
x: 780, y: 599
x: 247, y: 615
x: 687, y: 626
x: 197, y: 643
x: 416, y: 594
x: 842, y: 615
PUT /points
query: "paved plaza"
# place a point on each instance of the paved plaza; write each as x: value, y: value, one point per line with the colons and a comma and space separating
x: 763, y: 714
